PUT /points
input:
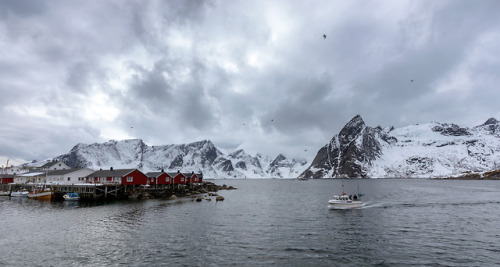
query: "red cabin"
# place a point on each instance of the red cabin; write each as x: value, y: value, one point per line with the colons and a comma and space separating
x: 178, y: 178
x: 193, y: 178
x: 120, y: 176
x: 158, y: 178
x: 197, y: 178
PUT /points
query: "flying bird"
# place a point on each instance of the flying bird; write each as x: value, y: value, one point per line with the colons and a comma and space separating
x: 324, y: 36
x: 305, y: 150
x: 411, y: 80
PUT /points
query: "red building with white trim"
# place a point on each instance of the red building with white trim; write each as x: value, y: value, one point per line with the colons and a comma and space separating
x: 178, y: 178
x: 158, y: 178
x: 119, y: 176
x: 193, y: 178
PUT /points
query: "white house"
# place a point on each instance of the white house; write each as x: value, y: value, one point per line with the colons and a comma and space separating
x: 30, y: 177
x: 68, y: 176
x: 13, y: 170
x: 55, y: 165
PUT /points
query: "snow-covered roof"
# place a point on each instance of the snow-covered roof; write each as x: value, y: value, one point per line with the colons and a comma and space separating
x: 111, y: 173
x: 31, y: 174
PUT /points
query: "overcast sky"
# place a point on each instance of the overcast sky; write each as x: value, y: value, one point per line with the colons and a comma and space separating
x: 255, y: 75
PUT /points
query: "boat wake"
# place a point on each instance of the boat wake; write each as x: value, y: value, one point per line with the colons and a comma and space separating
x: 423, y: 205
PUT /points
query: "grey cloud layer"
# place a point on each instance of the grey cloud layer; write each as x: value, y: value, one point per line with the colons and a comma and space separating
x: 242, y: 73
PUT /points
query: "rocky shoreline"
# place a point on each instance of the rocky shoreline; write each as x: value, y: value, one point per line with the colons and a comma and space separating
x: 492, y: 175
x: 202, y: 192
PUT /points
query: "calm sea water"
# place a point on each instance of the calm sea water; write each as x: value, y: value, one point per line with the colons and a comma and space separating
x: 265, y: 222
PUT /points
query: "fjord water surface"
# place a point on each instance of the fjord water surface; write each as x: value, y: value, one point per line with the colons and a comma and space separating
x: 265, y: 222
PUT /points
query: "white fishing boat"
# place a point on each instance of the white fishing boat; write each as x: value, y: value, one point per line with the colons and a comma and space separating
x: 4, y: 193
x: 345, y: 201
x: 71, y: 196
x: 20, y: 193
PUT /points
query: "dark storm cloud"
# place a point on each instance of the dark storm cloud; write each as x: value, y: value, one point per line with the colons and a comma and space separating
x: 256, y: 75
x: 300, y: 102
x: 152, y: 86
x: 20, y: 8
x: 455, y: 29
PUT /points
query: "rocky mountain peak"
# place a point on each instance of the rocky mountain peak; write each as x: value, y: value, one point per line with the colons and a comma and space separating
x: 278, y: 159
x: 451, y: 130
x: 238, y: 153
x: 491, y: 121
x: 201, y: 156
x: 413, y: 151
x: 352, y: 129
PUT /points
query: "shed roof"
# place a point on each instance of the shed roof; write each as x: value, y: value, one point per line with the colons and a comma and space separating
x: 61, y: 172
x: 153, y: 174
x: 173, y: 174
x: 111, y: 173
x: 31, y: 174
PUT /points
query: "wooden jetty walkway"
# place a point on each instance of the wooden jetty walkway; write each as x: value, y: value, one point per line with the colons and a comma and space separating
x: 96, y: 192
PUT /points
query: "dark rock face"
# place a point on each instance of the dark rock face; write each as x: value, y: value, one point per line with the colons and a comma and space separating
x: 492, y: 126
x: 451, y: 130
x: 491, y: 121
x: 419, y: 165
x: 208, y: 151
x: 227, y: 166
x: 321, y: 163
x: 341, y: 157
x: 277, y: 160
x: 177, y: 162
x: 73, y: 159
x: 241, y: 165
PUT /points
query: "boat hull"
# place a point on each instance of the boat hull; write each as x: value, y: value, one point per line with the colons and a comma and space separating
x: 4, y: 193
x: 71, y: 197
x: 19, y: 194
x: 335, y: 204
x: 41, y: 196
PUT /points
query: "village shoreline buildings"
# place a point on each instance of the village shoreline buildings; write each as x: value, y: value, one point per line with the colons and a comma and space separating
x: 58, y: 173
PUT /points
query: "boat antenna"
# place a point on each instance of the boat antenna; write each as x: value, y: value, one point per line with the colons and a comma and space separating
x: 343, y: 186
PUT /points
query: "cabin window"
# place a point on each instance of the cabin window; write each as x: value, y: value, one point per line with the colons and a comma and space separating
x: 69, y: 178
x: 182, y: 179
x: 130, y: 179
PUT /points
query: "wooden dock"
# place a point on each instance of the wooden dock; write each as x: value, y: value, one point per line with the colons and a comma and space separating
x: 97, y: 192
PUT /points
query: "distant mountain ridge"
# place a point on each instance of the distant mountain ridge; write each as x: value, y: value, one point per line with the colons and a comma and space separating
x: 422, y: 151
x: 198, y: 156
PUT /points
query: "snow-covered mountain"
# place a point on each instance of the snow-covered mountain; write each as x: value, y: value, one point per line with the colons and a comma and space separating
x: 421, y: 150
x: 198, y: 156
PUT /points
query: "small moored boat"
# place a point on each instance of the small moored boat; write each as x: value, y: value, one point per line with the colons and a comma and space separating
x: 39, y: 194
x: 71, y: 196
x: 20, y: 193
